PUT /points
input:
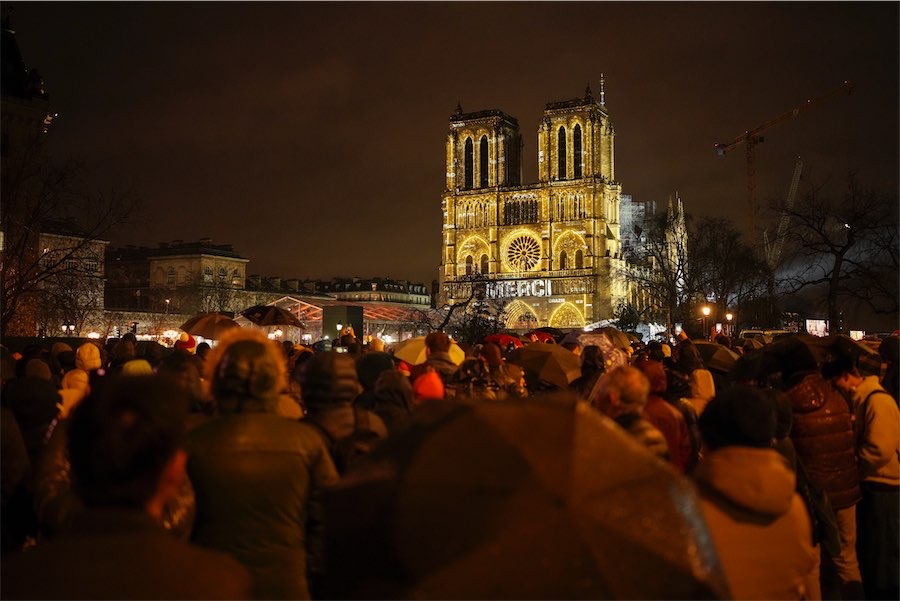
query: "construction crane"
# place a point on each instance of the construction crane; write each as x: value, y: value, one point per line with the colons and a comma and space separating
x: 773, y: 252
x: 752, y: 137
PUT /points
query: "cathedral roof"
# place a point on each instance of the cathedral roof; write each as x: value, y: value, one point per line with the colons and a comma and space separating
x: 459, y: 115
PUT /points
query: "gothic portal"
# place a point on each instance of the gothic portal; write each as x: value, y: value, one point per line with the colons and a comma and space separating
x: 548, y: 251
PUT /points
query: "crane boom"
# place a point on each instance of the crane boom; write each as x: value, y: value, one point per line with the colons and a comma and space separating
x: 773, y: 254
x: 752, y: 137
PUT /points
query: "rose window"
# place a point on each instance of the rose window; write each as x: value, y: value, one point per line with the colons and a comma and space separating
x: 523, y: 253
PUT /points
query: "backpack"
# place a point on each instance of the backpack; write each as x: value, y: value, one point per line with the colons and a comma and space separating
x: 347, y: 451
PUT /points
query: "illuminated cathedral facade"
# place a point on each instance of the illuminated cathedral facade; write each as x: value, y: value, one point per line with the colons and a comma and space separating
x: 548, y: 252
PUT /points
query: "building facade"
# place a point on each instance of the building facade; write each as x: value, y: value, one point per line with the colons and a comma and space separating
x: 548, y: 252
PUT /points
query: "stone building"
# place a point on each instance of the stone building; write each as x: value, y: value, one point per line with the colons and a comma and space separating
x: 550, y: 251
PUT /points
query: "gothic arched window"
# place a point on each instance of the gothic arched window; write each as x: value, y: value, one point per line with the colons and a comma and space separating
x: 484, y: 263
x: 483, y: 162
x: 563, y: 260
x: 561, y: 153
x: 170, y: 276
x: 579, y: 259
x: 576, y: 151
x: 469, y: 165
x: 469, y: 265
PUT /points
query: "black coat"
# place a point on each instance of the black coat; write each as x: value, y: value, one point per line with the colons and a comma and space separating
x: 121, y: 554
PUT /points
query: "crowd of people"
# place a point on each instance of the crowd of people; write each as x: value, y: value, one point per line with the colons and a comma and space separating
x: 201, y: 472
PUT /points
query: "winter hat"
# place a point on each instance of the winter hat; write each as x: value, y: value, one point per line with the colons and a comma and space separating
x: 137, y: 367
x: 370, y: 365
x: 329, y: 378
x: 76, y: 379
x: 490, y: 352
x: 655, y: 373
x: 739, y: 416
x: 246, y: 366
x: 186, y: 342
x: 377, y: 345
x: 75, y: 386
x: 87, y: 357
x: 38, y: 368
x: 59, y: 347
x: 428, y: 387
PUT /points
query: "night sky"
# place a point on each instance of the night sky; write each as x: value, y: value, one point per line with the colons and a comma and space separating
x: 311, y: 135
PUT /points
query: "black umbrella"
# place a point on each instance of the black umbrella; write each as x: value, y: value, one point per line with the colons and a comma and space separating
x: 271, y: 315
x: 209, y: 325
x: 516, y: 500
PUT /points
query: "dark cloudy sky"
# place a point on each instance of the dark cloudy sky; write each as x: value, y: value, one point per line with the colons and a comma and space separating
x: 311, y: 135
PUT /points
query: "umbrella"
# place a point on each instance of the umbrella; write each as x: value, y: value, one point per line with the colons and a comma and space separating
x: 542, y: 336
x: 271, y: 315
x: 613, y: 355
x: 209, y: 325
x: 504, y: 340
x: 619, y: 338
x: 412, y: 351
x: 516, y: 500
x: 715, y: 356
x: 551, y: 363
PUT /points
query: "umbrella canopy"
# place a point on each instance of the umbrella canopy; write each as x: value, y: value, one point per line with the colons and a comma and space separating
x: 551, y: 363
x: 412, y: 351
x: 209, y: 325
x: 270, y: 315
x: 504, y: 340
x: 542, y: 336
x: 618, y: 337
x: 716, y: 357
x: 613, y: 355
x: 516, y: 501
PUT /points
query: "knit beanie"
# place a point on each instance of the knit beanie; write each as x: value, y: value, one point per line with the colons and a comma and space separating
x: 186, y: 342
x: 75, y: 386
x: 137, y: 367
x: 247, y: 369
x: 38, y: 368
x: 87, y: 357
x: 428, y: 387
x: 739, y: 416
x: 329, y: 378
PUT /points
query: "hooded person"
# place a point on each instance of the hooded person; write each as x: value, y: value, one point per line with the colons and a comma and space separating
x: 329, y: 385
x: 259, y: 477
x: 88, y: 357
x: 666, y: 418
x: 32, y: 399
x: 758, y: 523
x: 75, y: 386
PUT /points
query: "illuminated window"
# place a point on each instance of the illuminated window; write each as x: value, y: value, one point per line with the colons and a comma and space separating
x: 207, y: 275
x: 563, y: 260
x: 170, y: 276
x: 236, y: 278
x: 576, y: 151
x: 223, y: 275
x: 469, y: 265
x: 579, y: 259
x: 484, y: 263
x: 483, y: 162
x: 561, y: 153
x: 91, y: 266
x: 469, y: 164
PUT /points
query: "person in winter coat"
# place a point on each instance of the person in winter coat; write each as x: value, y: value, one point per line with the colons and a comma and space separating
x: 437, y: 348
x: 759, y: 524
x: 621, y: 393
x: 665, y: 417
x: 877, y: 429
x: 258, y: 477
x: 822, y: 433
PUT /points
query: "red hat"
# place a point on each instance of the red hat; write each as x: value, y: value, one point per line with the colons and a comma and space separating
x: 186, y: 342
x: 428, y: 387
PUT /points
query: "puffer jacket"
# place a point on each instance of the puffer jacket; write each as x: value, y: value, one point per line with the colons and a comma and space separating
x: 258, y: 479
x: 758, y: 523
x: 822, y: 433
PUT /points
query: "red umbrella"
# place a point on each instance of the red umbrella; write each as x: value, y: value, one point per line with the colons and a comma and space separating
x: 542, y: 336
x: 504, y: 340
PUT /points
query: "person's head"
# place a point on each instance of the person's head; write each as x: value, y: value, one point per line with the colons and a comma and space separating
x: 437, y: 342
x: 491, y: 354
x: 655, y: 374
x: 87, y: 357
x: 376, y: 345
x: 841, y: 371
x: 369, y: 366
x: 125, y: 444
x: 137, y: 367
x: 739, y: 416
x: 186, y: 370
x: 619, y: 391
x: 688, y: 357
x: 287, y: 347
x: 38, y: 368
x: 203, y: 349
x: 329, y: 379
x: 245, y: 368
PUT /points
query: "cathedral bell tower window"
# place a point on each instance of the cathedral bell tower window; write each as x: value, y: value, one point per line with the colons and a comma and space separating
x: 469, y: 179
x: 576, y: 150
x: 561, y: 153
x: 483, y: 162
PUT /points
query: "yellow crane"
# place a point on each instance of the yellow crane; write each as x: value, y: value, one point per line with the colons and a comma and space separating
x: 752, y: 137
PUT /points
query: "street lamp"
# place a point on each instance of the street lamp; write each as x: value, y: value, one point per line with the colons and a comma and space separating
x: 339, y: 327
x: 167, y: 305
x: 728, y: 317
x: 705, y: 310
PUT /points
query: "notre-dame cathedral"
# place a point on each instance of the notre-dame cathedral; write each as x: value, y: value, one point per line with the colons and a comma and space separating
x: 549, y: 252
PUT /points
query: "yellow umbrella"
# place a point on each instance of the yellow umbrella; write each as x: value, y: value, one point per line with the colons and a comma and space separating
x: 412, y: 351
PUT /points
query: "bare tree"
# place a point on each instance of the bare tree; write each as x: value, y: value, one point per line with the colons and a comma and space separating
x: 39, y: 196
x: 846, y: 244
